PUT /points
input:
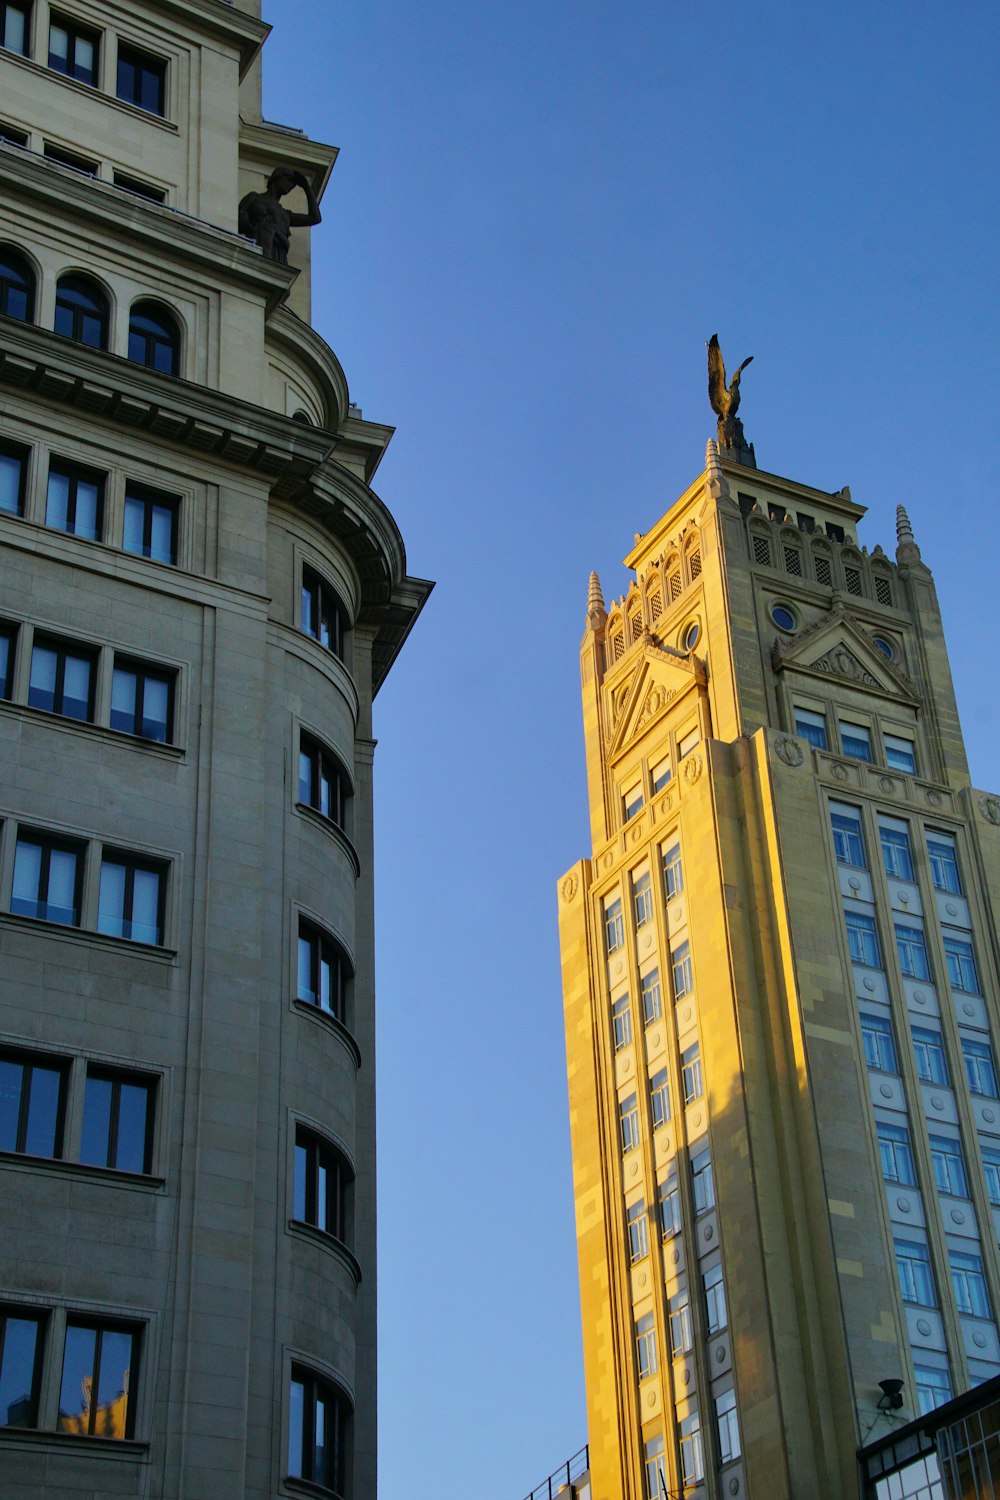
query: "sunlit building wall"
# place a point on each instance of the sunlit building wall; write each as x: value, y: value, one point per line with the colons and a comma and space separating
x: 201, y: 596
x: 780, y: 981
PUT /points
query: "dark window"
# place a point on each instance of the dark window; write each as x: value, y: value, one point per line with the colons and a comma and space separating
x: 151, y: 524
x: 82, y: 312
x: 322, y: 1186
x: 131, y: 899
x: 73, y: 49
x: 154, y: 338
x: 17, y: 286
x: 70, y: 159
x: 322, y: 784
x: 746, y: 503
x: 776, y: 510
x: 13, y: 471
x: 834, y: 532
x: 12, y: 135
x: 319, y: 1431
x: 20, y: 1366
x: 32, y: 1098
x: 74, y: 500
x: 323, y: 972
x: 139, y: 189
x: 47, y: 879
x: 805, y: 523
x: 99, y: 1380
x: 322, y: 613
x: 62, y: 679
x: 8, y: 635
x: 142, y: 701
x: 15, y: 26
x: 141, y: 79
x: 117, y: 1121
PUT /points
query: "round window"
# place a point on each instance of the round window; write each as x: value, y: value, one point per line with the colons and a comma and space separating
x: 783, y: 617
x: 690, y: 636
x: 884, y: 646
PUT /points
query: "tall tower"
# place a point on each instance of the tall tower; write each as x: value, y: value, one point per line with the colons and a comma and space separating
x: 780, y: 981
x: 201, y: 596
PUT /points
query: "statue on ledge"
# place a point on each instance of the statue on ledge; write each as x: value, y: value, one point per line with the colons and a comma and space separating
x: 263, y: 219
x: 725, y: 401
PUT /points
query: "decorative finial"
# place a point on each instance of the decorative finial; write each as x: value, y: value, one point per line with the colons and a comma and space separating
x: 725, y: 401
x: 718, y: 484
x: 907, y: 550
x: 596, y: 613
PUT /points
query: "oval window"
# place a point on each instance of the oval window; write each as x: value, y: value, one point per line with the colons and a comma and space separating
x: 690, y: 636
x: 884, y: 646
x: 783, y: 617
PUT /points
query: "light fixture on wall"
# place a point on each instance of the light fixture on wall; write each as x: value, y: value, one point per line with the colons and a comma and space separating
x: 891, y: 1398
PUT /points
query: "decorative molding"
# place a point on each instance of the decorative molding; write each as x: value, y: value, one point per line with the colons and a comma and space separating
x: 790, y: 751
x: 839, y: 662
x: 693, y: 767
x: 990, y: 808
x: 569, y: 888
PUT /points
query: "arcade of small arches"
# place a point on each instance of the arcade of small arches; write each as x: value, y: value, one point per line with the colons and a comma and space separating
x: 83, y: 313
x: 662, y: 585
x: 827, y: 560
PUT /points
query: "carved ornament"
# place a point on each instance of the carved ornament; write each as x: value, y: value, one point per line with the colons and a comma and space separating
x: 790, y: 751
x: 569, y: 888
x: 693, y: 767
x: 990, y: 809
x: 839, y: 662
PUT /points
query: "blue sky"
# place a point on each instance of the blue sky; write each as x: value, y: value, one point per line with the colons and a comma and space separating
x: 540, y: 214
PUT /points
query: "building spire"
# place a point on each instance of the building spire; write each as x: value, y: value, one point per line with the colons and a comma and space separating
x: 718, y: 484
x: 596, y: 613
x: 907, y: 550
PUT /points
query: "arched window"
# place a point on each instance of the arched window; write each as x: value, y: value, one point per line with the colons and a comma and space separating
x: 823, y: 565
x: 304, y: 417
x: 694, y: 562
x: 635, y: 625
x: 154, y: 338
x: 674, y: 578
x: 654, y: 601
x: 17, y: 286
x: 82, y: 311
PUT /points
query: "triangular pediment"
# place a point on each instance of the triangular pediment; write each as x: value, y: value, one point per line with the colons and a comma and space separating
x: 661, y: 676
x: 839, y: 647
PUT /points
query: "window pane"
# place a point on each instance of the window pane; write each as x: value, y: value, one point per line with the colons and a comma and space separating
x: 135, y: 512
x: 156, y: 709
x: 27, y: 878
x: 133, y: 1127
x: 58, y: 47
x: 301, y: 1180
x: 57, y: 500
x: 145, y: 924
x: 296, y: 1422
x: 162, y: 538
x: 42, y: 1134
x: 87, y: 519
x: 77, y: 1378
x: 11, y: 1076
x: 322, y: 1190
x: 123, y: 699
x: 76, y: 687
x: 60, y: 905
x: 96, y: 1121
x: 17, y: 1373
x: 111, y: 1415
x: 111, y: 904
x: 11, y: 468
x: 42, y: 687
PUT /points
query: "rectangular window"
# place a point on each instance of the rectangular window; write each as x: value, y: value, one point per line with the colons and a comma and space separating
x: 661, y: 775
x: 856, y: 741
x: 20, y: 1366
x: 670, y: 1209
x: 896, y: 1154
x: 141, y: 79
x: 848, y: 842
x: 928, y: 1049
x: 969, y: 1282
x: 13, y: 137
x: 621, y: 1020
x: 32, y: 1104
x: 322, y: 615
x: 139, y: 189
x: 13, y: 470
x: 319, y: 1421
x: 862, y: 939
x: 944, y: 863
x: 74, y: 500
x: 879, y: 1043
x: 642, y: 897
x: 912, y: 949
x: 673, y: 874
x: 62, y: 679
x: 652, y: 1002
x: 691, y: 1452
x: 991, y: 1168
x: 321, y: 785
x: 659, y: 1098
x: 949, y: 1166
x: 980, y: 1069
x: 681, y: 1327
x: 715, y: 1299
x: 628, y: 1120
x: 687, y: 743
x: 151, y: 523
x: 638, y: 1231
x: 73, y: 49
x: 656, y: 1483
x: 631, y: 802
x: 812, y: 727
x: 131, y: 900
x: 47, y: 875
x: 15, y: 27
x: 896, y: 857
x: 680, y: 968
x: 691, y: 1074
x: 99, y: 1379
x: 8, y: 636
x: 322, y: 972
x: 729, y: 1427
x: 916, y: 1280
x: 933, y: 1387
x: 74, y: 161
x: 117, y: 1121
x: 142, y: 701
x: 702, y: 1182
x: 961, y: 963
x: 614, y: 928
x: 899, y: 753
x: 321, y: 1186
x: 645, y: 1346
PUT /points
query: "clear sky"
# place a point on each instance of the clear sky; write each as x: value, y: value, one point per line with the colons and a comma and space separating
x: 540, y: 213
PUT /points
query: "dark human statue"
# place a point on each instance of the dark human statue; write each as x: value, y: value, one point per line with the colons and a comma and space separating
x: 263, y: 219
x: 725, y: 401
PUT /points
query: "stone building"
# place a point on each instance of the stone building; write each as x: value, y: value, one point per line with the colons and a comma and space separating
x: 780, y: 979
x: 201, y: 595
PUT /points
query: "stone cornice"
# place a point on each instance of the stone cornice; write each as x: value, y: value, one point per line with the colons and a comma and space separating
x: 221, y: 20
x: 276, y: 146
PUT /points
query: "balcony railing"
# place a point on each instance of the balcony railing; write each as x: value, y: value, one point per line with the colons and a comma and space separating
x: 556, y: 1484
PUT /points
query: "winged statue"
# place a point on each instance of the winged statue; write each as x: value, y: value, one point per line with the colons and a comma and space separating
x: 725, y: 398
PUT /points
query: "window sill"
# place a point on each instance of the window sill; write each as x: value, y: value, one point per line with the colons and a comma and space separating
x: 91, y: 91
x: 100, y: 732
x: 86, y: 934
x: 329, y: 1243
x: 331, y: 1024
x: 331, y: 829
x: 126, y: 1449
x: 77, y: 1171
x: 293, y: 1486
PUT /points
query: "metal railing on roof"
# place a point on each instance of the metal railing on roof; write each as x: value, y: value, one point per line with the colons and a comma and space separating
x: 562, y: 1479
